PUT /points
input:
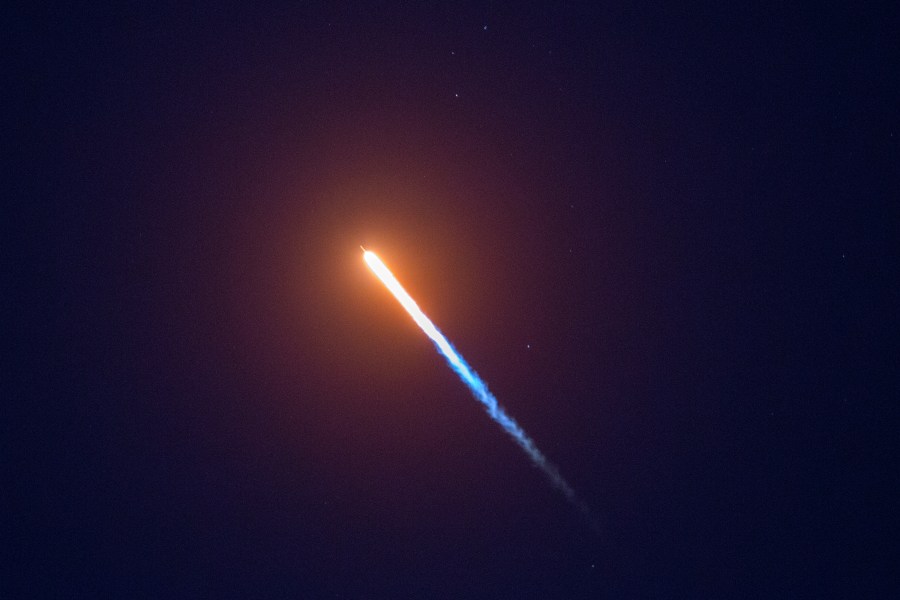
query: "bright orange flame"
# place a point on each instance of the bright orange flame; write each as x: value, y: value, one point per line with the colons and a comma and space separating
x: 388, y: 279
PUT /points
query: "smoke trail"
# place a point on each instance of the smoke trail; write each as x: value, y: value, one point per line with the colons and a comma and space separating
x: 476, y: 385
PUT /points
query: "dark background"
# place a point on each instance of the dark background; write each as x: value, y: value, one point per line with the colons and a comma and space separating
x: 666, y: 237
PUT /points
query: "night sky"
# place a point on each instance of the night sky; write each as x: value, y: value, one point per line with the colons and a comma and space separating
x: 667, y: 238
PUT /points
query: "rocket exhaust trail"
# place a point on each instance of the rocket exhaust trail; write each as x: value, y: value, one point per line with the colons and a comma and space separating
x: 476, y: 385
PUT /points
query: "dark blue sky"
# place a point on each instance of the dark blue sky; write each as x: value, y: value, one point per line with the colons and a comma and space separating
x: 665, y: 237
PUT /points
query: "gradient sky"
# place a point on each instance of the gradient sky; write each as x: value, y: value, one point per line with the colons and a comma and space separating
x: 665, y: 237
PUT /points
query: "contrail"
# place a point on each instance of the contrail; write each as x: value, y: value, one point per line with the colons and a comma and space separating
x: 476, y: 385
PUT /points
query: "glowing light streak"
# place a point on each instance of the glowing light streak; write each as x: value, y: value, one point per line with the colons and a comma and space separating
x: 473, y: 381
